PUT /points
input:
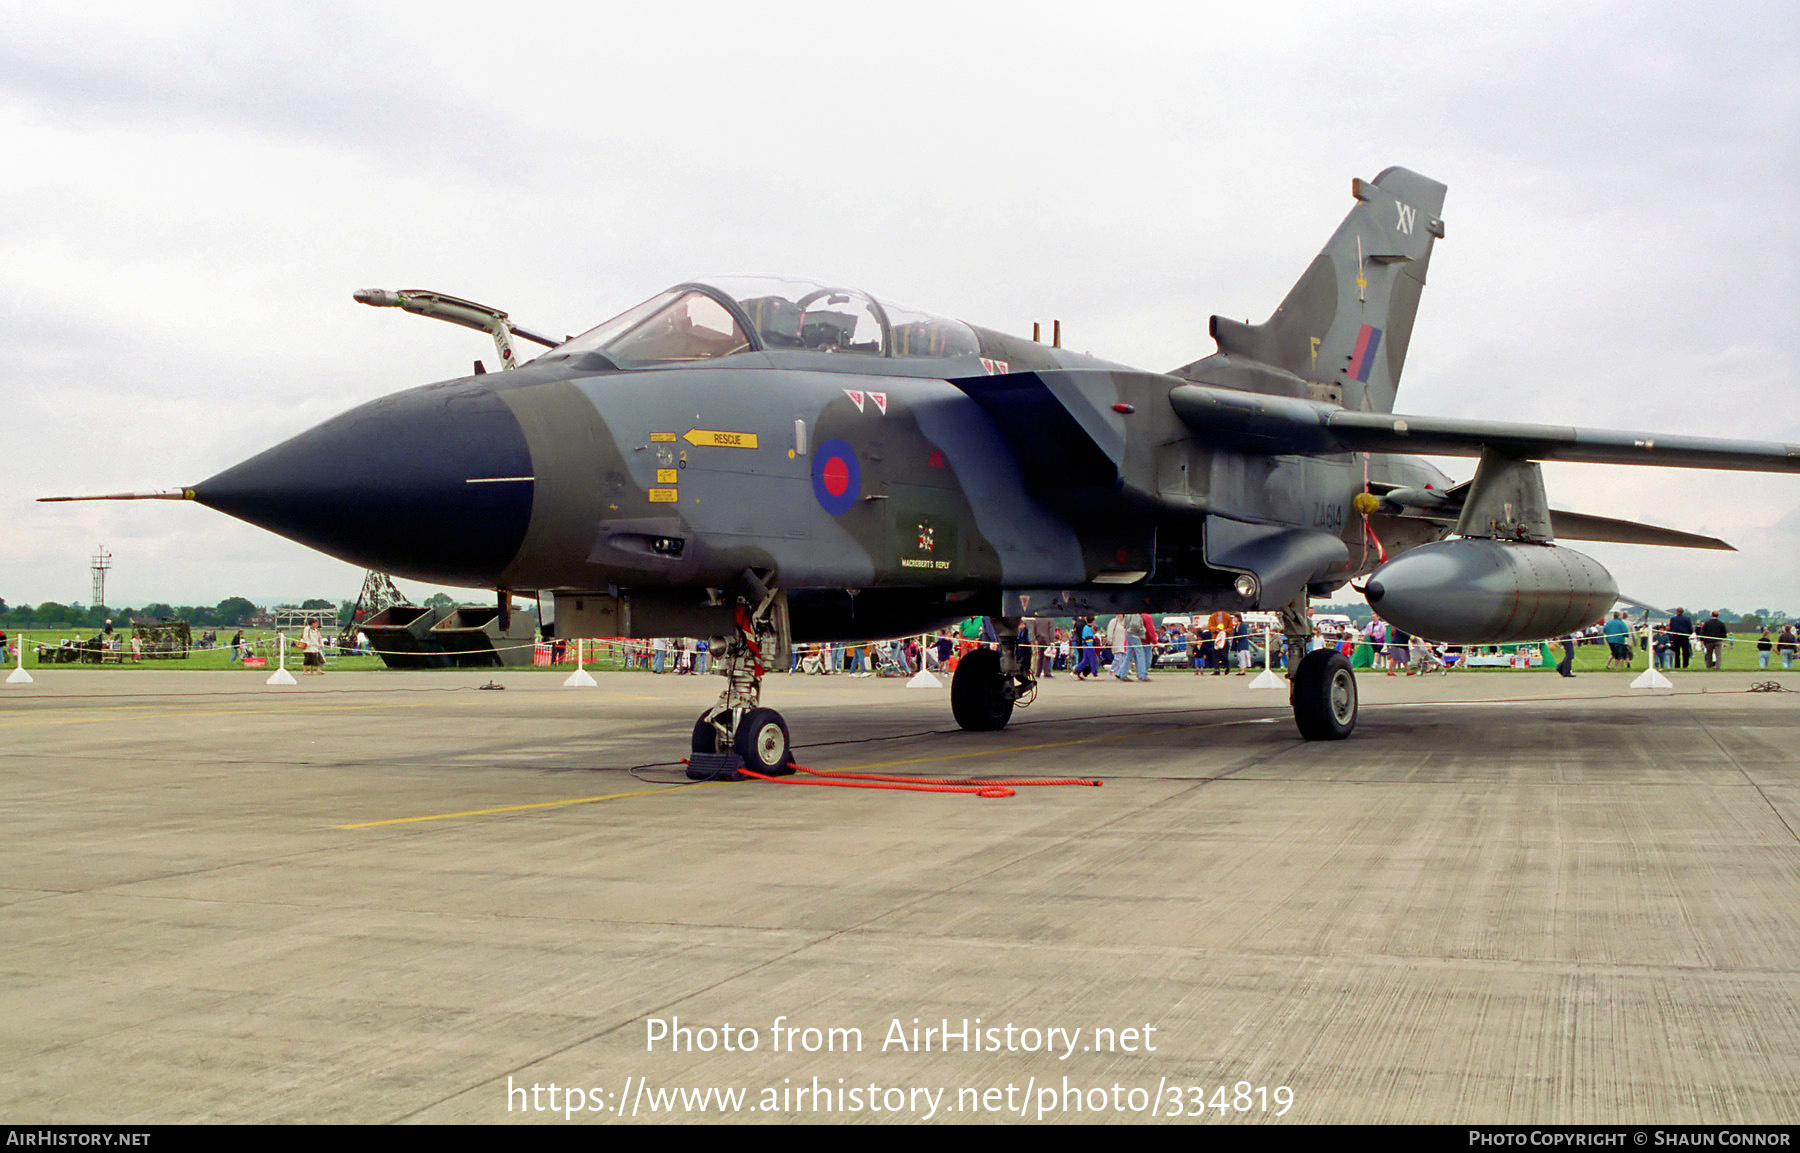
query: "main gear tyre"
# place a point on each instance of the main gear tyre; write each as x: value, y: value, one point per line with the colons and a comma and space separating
x: 1324, y: 696
x: 978, y: 697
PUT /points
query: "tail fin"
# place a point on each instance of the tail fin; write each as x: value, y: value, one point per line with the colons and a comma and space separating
x: 1342, y: 332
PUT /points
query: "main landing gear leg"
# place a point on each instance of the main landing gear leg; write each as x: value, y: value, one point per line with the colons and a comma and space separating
x: 1321, y: 685
x: 738, y: 733
x: 988, y: 682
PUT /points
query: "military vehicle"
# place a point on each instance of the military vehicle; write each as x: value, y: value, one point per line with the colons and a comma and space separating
x: 769, y: 461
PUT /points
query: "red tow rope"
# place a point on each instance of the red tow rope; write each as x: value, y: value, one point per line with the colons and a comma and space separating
x: 981, y: 788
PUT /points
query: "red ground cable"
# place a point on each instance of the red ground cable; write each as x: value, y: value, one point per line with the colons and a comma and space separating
x: 977, y: 786
x: 981, y: 791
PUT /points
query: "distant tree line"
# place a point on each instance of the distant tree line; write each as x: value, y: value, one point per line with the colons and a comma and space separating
x: 232, y: 612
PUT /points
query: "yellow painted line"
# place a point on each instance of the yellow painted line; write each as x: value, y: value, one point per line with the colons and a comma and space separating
x: 704, y: 784
x: 525, y: 808
x: 89, y: 714
x: 47, y: 721
x: 855, y: 768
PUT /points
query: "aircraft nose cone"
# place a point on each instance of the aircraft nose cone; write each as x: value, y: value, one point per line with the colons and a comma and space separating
x: 433, y: 484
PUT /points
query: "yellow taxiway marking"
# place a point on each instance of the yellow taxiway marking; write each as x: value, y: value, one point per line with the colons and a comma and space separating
x: 524, y: 808
x: 854, y: 768
x: 90, y: 714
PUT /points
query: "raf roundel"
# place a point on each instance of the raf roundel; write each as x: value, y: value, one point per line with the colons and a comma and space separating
x: 836, y: 477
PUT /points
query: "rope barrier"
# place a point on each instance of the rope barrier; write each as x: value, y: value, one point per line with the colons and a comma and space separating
x: 596, y: 648
x: 635, y: 652
x: 269, y: 643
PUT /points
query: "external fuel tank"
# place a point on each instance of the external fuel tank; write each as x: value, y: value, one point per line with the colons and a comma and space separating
x: 1480, y: 591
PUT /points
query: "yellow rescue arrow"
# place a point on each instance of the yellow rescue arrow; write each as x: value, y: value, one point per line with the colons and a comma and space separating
x: 716, y: 439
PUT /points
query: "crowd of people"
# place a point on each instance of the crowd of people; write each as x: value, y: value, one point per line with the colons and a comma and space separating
x: 1672, y: 646
x: 1129, y: 646
x: 1124, y: 646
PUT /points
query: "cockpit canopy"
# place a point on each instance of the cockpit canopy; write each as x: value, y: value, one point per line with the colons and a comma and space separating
x: 701, y: 321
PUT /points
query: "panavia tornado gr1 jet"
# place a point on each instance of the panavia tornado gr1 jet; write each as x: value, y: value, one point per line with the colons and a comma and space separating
x: 767, y: 461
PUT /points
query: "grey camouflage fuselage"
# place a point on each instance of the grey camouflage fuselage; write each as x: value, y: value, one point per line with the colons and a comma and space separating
x: 890, y: 471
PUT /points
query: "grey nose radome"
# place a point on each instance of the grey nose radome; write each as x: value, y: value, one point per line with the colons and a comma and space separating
x: 434, y: 484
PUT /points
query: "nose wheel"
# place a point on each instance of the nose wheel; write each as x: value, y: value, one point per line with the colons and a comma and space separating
x: 759, y: 743
x: 762, y: 742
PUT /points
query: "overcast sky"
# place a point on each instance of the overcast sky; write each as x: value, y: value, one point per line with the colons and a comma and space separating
x: 192, y: 192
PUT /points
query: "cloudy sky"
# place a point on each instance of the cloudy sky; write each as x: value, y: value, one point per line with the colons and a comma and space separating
x: 193, y: 191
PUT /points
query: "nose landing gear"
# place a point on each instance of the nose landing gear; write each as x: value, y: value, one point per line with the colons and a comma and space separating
x: 737, y: 733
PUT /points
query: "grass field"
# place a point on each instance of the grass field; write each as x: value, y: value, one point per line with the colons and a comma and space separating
x: 1740, y: 656
x: 262, y: 641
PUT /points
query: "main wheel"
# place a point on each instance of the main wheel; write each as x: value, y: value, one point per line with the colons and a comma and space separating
x: 762, y: 741
x: 978, y: 697
x: 1324, y: 694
